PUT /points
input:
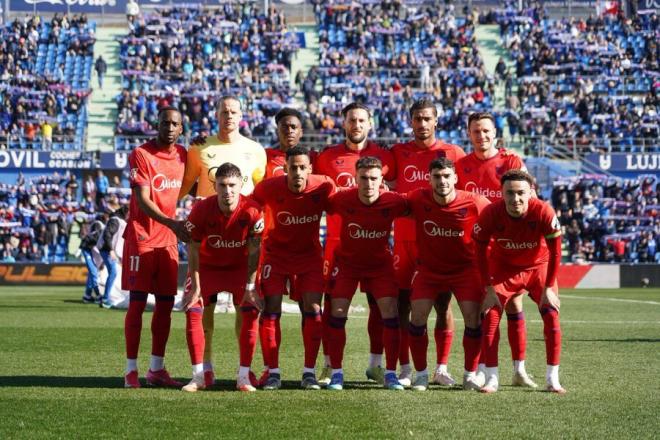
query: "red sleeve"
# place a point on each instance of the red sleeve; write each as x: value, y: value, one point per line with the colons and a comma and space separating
x: 139, y: 172
x: 196, y: 224
x: 550, y: 223
x: 331, y: 203
x: 259, y: 193
x: 554, y: 246
x: 390, y: 165
x: 403, y: 207
x: 481, y: 202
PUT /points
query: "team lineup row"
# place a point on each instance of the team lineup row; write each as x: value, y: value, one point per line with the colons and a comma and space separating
x: 446, y: 241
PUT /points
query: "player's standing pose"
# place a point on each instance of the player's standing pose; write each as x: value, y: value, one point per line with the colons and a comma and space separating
x: 480, y: 173
x: 517, y: 225
x: 412, y: 164
x: 444, y: 219
x: 294, y: 204
x: 151, y: 257
x: 203, y: 159
x: 225, y: 241
x: 338, y: 163
x: 364, y: 257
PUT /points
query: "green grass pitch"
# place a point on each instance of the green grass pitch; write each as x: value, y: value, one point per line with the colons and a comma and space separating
x: 61, y: 365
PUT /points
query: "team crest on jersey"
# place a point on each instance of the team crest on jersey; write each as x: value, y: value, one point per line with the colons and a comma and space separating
x: 532, y: 225
x: 427, y: 208
x: 467, y: 170
x: 462, y: 212
x: 350, y: 211
x: 440, y: 154
x: 499, y: 170
x: 316, y: 198
x: 279, y: 200
x: 242, y: 222
x: 212, y: 225
x: 339, y: 161
x: 210, y: 156
x: 499, y: 227
x: 386, y: 212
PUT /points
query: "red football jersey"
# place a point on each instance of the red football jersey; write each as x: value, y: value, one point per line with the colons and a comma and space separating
x: 162, y: 171
x: 224, y: 239
x: 338, y: 163
x: 517, y: 241
x: 483, y: 176
x: 412, y: 172
x: 365, y: 229
x: 444, y: 232
x: 293, y: 220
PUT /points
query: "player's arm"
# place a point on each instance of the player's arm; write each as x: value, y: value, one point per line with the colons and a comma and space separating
x: 192, y: 296
x: 254, y: 252
x: 193, y: 168
x: 146, y: 205
x: 553, y: 240
x: 481, y: 236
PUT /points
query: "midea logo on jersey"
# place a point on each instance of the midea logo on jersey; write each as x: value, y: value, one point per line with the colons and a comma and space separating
x: 160, y: 182
x: 511, y: 245
x: 356, y: 231
x: 216, y: 241
x: 345, y: 180
x: 413, y: 174
x: 287, y: 219
x: 432, y: 229
x: 486, y: 192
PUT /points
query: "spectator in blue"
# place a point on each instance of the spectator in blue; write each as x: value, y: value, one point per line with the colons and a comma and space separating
x: 106, y: 245
x: 102, y: 185
x: 87, y: 245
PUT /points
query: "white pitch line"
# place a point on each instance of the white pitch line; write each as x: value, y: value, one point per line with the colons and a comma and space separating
x: 635, y: 301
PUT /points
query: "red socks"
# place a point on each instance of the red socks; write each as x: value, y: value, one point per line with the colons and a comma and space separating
x: 312, y: 335
x: 160, y: 324
x: 375, y: 327
x: 491, y: 337
x: 517, y: 335
x: 419, y: 343
x: 269, y: 330
x: 195, y: 334
x: 336, y: 340
x: 391, y: 341
x: 133, y: 323
x: 552, y: 334
x: 247, y: 338
x: 471, y: 348
x: 443, y: 341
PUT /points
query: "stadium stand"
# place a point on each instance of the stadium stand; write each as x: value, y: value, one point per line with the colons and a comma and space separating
x: 45, y: 68
x: 190, y: 56
x: 585, y: 85
x: 389, y: 54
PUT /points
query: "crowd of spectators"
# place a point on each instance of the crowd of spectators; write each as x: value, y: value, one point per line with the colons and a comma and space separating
x: 189, y: 56
x: 45, y: 68
x: 390, y: 53
x: 593, y: 83
x: 608, y: 219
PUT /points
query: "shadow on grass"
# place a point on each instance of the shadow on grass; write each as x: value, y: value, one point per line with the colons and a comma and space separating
x: 629, y: 340
x: 61, y: 382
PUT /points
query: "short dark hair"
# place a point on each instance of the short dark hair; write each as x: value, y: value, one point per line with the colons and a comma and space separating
x: 421, y: 104
x: 478, y: 116
x: 441, y: 163
x: 518, y: 175
x: 297, y: 151
x: 228, y: 169
x: 287, y: 111
x: 355, y: 106
x: 167, y: 108
x: 368, y: 162
x: 229, y: 98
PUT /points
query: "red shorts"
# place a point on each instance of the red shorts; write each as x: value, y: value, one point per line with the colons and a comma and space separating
x: 151, y: 270
x: 405, y: 262
x: 465, y: 285
x: 345, y: 280
x: 306, y: 277
x: 509, y: 281
x: 214, y: 280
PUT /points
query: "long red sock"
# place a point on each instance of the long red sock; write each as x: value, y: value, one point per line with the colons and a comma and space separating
x: 443, y: 341
x: 471, y: 347
x: 374, y: 327
x: 312, y: 334
x: 552, y: 334
x: 247, y: 339
x: 391, y: 341
x: 133, y: 323
x: 490, y: 339
x: 419, y: 344
x: 517, y: 335
x: 161, y: 322
x: 325, y: 319
x: 336, y: 340
x: 268, y: 333
x: 195, y: 334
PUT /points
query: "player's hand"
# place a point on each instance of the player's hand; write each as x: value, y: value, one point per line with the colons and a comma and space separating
x: 490, y: 300
x: 507, y: 152
x: 179, y: 228
x: 550, y: 298
x: 198, y: 140
x: 191, y: 297
x: 252, y: 297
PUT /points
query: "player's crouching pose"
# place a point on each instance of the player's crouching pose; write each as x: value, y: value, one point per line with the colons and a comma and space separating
x: 363, y: 256
x: 151, y: 257
x: 225, y: 234
x: 294, y: 204
x: 444, y: 218
x: 517, y: 261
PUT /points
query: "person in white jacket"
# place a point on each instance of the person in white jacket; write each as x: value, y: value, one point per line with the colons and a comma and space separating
x: 110, y: 245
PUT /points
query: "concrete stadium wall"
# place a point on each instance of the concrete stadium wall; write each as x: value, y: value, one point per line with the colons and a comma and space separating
x: 571, y: 276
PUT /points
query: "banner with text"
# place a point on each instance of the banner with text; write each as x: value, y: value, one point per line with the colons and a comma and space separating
x: 70, y: 6
x: 30, y: 159
x: 643, y: 163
